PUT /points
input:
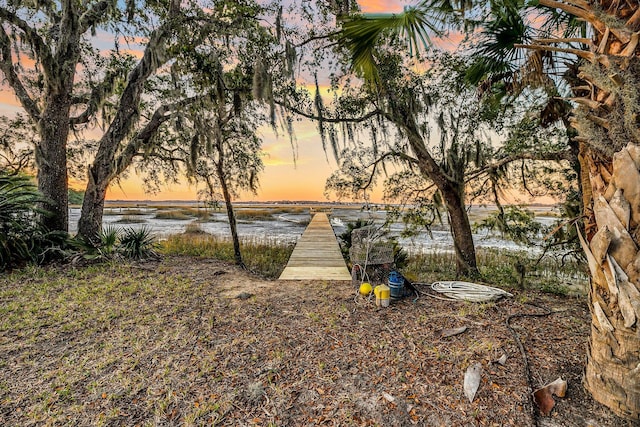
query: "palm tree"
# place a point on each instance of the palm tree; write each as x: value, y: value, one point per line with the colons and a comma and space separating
x: 605, y: 116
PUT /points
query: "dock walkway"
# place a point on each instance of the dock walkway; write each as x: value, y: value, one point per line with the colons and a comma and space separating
x: 317, y: 254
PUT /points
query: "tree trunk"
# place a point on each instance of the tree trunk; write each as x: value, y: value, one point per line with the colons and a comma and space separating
x: 90, y: 222
x: 105, y: 167
x: 453, y: 194
x: 612, y: 374
x: 51, y: 159
x: 461, y: 232
x: 230, y: 214
x: 606, y: 122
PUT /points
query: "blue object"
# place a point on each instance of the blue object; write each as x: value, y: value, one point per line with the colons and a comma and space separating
x: 396, y: 284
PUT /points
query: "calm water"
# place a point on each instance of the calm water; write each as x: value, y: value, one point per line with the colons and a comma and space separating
x: 287, y: 227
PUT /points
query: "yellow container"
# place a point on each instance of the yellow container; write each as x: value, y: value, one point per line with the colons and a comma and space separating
x: 382, y: 293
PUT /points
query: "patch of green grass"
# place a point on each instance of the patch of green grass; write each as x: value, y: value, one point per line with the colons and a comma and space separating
x: 555, y: 289
x: 120, y: 316
x: 194, y: 244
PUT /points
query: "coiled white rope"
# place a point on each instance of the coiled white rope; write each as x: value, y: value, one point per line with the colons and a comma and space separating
x: 472, y: 292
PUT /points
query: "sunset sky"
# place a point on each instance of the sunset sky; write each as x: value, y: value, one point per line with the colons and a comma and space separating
x: 282, y: 179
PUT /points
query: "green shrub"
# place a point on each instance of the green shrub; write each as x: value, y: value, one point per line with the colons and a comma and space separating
x: 75, y: 197
x: 22, y: 237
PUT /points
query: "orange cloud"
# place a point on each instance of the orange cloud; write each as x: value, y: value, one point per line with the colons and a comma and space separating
x: 8, y: 98
x: 380, y: 6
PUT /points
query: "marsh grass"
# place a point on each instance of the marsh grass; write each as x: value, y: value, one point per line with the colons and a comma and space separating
x: 504, y: 269
x: 183, y: 214
x: 201, y: 214
x: 194, y: 228
x: 254, y: 214
x: 263, y: 257
x: 128, y: 219
x: 173, y: 214
x: 124, y: 211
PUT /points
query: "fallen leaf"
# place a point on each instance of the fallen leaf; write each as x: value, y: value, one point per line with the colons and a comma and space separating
x: 558, y: 387
x: 446, y: 333
x: 543, y: 397
x: 472, y: 381
x: 388, y: 397
x: 502, y: 360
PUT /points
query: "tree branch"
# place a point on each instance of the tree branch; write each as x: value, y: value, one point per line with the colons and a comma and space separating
x: 129, y: 101
x: 32, y: 37
x: 590, y: 56
x: 6, y: 65
x: 93, y: 15
x: 144, y: 137
x: 549, y: 156
x: 320, y: 37
x: 329, y: 119
x: 581, y: 10
x: 564, y: 40
x: 97, y: 97
x: 380, y: 159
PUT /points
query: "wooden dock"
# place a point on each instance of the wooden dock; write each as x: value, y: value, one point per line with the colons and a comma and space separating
x: 317, y: 254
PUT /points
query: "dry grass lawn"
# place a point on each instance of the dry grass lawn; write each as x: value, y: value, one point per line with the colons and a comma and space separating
x: 188, y: 341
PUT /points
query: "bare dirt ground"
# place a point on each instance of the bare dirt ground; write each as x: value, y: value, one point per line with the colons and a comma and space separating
x: 188, y: 341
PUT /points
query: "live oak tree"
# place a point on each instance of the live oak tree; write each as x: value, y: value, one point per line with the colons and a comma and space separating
x: 450, y: 154
x: 435, y: 140
x: 51, y: 58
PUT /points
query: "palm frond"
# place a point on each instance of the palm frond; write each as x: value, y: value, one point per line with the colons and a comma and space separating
x: 362, y: 35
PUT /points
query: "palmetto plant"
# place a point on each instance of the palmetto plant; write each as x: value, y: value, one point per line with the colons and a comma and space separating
x: 115, y: 242
x: 137, y: 244
x: 22, y: 236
